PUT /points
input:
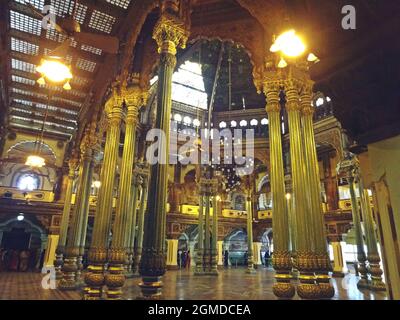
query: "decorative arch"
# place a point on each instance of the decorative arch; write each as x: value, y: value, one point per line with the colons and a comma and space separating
x: 22, y: 149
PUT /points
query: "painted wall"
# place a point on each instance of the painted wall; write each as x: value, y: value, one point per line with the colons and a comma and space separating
x: 381, y: 170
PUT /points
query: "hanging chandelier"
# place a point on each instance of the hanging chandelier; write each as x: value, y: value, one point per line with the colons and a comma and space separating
x: 54, y: 70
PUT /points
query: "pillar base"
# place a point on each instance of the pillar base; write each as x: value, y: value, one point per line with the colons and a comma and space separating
x: 251, y: 271
x: 309, y: 291
x: 377, y: 285
x: 66, y: 285
x: 326, y: 290
x: 283, y: 290
x: 151, y: 288
x: 363, y: 284
x: 171, y: 267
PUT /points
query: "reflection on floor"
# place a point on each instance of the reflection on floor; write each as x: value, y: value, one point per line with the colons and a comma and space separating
x: 232, y: 284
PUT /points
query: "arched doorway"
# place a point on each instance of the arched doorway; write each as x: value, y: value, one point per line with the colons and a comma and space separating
x: 22, y: 245
x: 266, y: 244
x: 236, y: 245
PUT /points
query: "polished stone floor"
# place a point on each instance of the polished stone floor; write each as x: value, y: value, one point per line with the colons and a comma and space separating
x: 232, y: 284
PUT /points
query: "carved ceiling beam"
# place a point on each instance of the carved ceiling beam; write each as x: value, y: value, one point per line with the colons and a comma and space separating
x: 40, y: 117
x: 45, y: 92
x: 37, y: 100
x: 70, y: 117
x: 50, y: 44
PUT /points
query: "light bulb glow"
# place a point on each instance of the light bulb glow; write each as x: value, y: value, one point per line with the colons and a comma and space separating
x: 54, y: 70
x: 20, y: 217
x: 41, y: 81
x: 288, y: 196
x: 97, y: 184
x: 35, y: 161
x: 289, y: 44
x: 312, y: 58
x: 67, y: 86
x: 282, y: 63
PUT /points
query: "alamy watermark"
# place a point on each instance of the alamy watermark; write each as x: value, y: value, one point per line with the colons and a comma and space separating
x: 349, y: 19
x: 49, y: 279
x: 214, y: 147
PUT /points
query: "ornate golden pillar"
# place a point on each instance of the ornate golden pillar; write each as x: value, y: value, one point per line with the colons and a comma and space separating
x: 71, y: 268
x: 62, y: 240
x: 95, y: 277
x: 314, y: 195
x: 131, y: 223
x: 249, y: 210
x: 347, y: 168
x: 169, y: 33
x: 207, y: 233
x: 373, y: 258
x: 306, y: 259
x: 200, y: 243
x: 282, y: 288
x: 214, y: 240
x: 125, y: 215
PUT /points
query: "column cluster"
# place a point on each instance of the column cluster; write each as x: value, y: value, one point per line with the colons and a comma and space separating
x: 62, y: 240
x: 281, y: 261
x: 368, y: 264
x: 207, y: 251
x: 75, y: 244
x: 125, y: 216
x: 306, y: 215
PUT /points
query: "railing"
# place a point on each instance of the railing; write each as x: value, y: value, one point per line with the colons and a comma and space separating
x: 323, y: 111
x: 18, y: 194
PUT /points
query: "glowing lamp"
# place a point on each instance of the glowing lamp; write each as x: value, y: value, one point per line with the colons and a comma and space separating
x: 97, y: 184
x: 288, y: 196
x: 290, y: 44
x: 67, y: 86
x: 35, y: 161
x: 41, y: 81
x: 20, y: 217
x: 54, y: 70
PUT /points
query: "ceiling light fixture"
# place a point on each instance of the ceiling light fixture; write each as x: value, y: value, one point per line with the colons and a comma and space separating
x: 292, y: 46
x: 54, y: 70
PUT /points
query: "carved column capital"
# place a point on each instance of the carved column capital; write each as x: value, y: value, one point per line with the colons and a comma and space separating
x: 292, y: 96
x: 134, y: 98
x: 306, y: 99
x: 72, y: 164
x: 169, y: 33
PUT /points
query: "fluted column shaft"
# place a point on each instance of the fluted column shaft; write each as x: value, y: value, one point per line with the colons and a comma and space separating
x: 306, y: 260
x: 249, y: 209
x: 207, y: 247
x: 361, y: 257
x: 373, y: 258
x: 94, y: 278
x: 168, y: 33
x: 140, y: 223
x: 200, y: 243
x: 131, y: 225
x: 281, y: 258
x: 81, y: 208
x: 214, y: 239
x: 314, y: 195
x: 124, y: 214
x: 62, y: 240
